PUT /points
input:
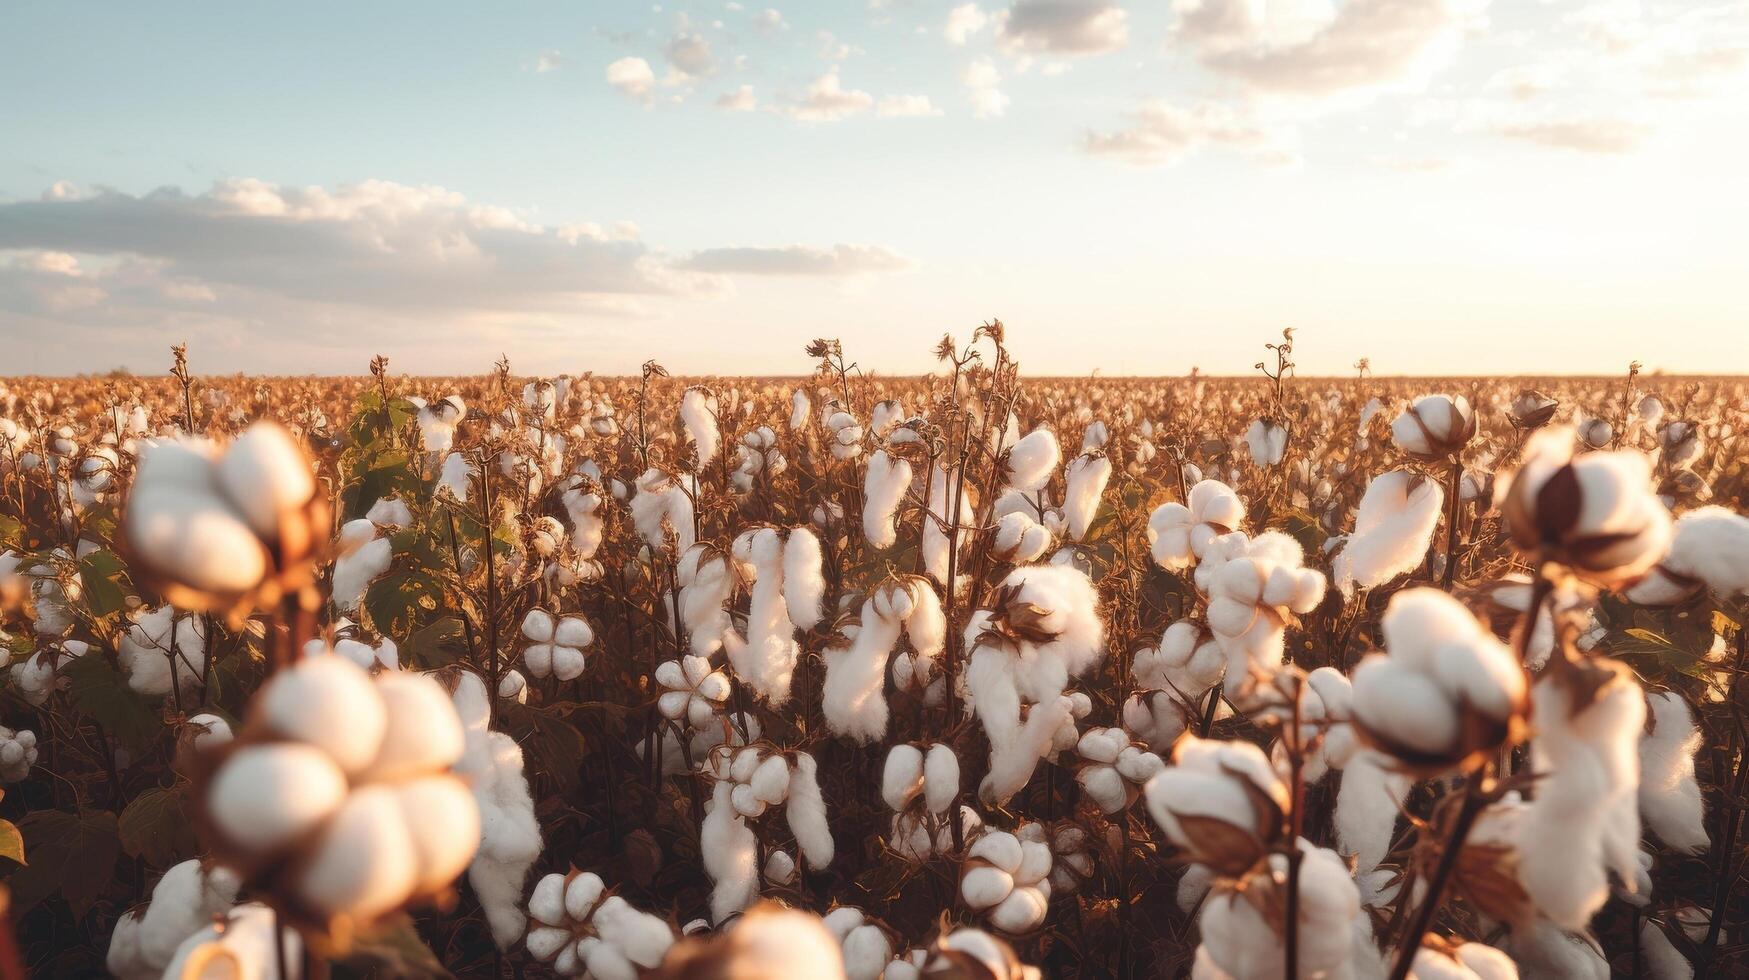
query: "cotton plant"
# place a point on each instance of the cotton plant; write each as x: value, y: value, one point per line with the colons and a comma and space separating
x: 1006, y: 878
x: 556, y: 645
x: 1043, y: 629
x: 584, y: 931
x: 352, y: 776
x: 852, y: 696
x: 746, y: 782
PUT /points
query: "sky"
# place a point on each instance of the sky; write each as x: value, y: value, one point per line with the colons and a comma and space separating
x: 1442, y: 186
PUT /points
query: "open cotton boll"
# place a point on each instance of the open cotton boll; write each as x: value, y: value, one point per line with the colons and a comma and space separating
x: 698, y: 412
x: 851, y: 696
x: 902, y: 776
x: 159, y: 646
x: 184, y: 900
x: 1266, y: 441
x: 330, y: 704
x: 509, y: 834
x: 730, y: 855
x: 1584, y: 823
x: 18, y: 752
x: 1032, y: 460
x: 1709, y: 549
x: 662, y: 507
x: 1447, y: 692
x: 884, y: 487
x: 1188, y: 661
x: 363, y: 557
x: 1594, y: 513
x: 806, y: 813
x: 584, y: 509
x: 886, y: 416
x: 706, y: 583
x: 209, y: 730
x: 1367, y: 806
x: 1228, y: 782
x: 1239, y: 941
x: 941, y: 778
x: 1085, y: 478
x: 241, y: 944
x: 1434, y: 427
x: 804, y: 581
x: 390, y: 512
x: 766, y: 657
x: 1392, y: 530
x: 365, y: 864
x: 1670, y: 798
x: 1543, y: 949
x: 267, y: 795
x: 455, y: 476
x: 1179, y: 533
x: 1019, y: 539
x: 938, y: 542
x: 423, y: 732
x: 1662, y: 960
x: 1469, y: 961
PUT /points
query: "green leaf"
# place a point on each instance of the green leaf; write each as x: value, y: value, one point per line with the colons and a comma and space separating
x: 11, y: 842
x: 11, y: 532
x: 101, y: 573
x: 100, y: 692
x: 438, y: 644
x: 154, y: 826
x: 73, y: 855
x: 399, y: 601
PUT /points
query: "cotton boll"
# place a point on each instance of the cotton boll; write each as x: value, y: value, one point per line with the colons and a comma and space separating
x: 1367, y: 807
x: 729, y: 851
x: 330, y: 704
x: 355, y: 569
x: 1392, y: 530
x: 209, y: 730
x: 698, y: 412
x: 242, y: 945
x: 939, y: 542
x: 264, y: 474
x: 509, y: 834
x: 884, y: 487
x: 1542, y: 949
x: 1239, y: 942
x: 1584, y: 822
x: 1032, y: 460
x: 1709, y: 549
x: 806, y: 813
x: 1229, y: 782
x: 390, y: 512
x: 267, y: 795
x: 444, y: 825
x: 1019, y: 539
x: 1670, y: 798
x: 902, y: 776
x: 455, y: 476
x: 1594, y: 513
x: 184, y: 900
x: 941, y: 778
x: 851, y: 696
x: 365, y: 864
x: 1086, y: 478
x: 422, y: 734
x: 1434, y: 427
x: 1266, y: 440
x: 867, y: 951
x: 804, y: 583
x: 1662, y: 959
x: 780, y: 868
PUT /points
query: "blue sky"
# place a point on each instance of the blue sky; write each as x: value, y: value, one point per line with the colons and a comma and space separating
x: 1446, y: 186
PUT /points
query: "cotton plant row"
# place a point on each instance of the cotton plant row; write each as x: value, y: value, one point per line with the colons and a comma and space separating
x: 930, y: 677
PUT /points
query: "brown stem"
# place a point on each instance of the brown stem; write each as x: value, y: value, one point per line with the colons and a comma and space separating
x: 1474, y: 799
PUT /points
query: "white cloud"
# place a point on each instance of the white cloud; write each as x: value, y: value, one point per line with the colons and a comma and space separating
x: 905, y: 106
x: 797, y: 260
x: 1069, y: 27
x: 549, y: 60
x: 981, y: 80
x: 770, y: 19
x: 740, y: 100
x: 632, y: 77
x: 306, y: 271
x: 1162, y: 133
x: 962, y: 22
x: 691, y: 55
x: 829, y: 101
x: 1578, y: 133
x: 1310, y: 48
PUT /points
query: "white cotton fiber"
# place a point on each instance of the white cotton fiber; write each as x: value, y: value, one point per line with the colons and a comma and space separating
x: 883, y: 489
x: 1670, y: 798
x: 1392, y: 530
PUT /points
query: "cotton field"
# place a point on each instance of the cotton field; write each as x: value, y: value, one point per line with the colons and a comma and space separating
x: 982, y: 675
